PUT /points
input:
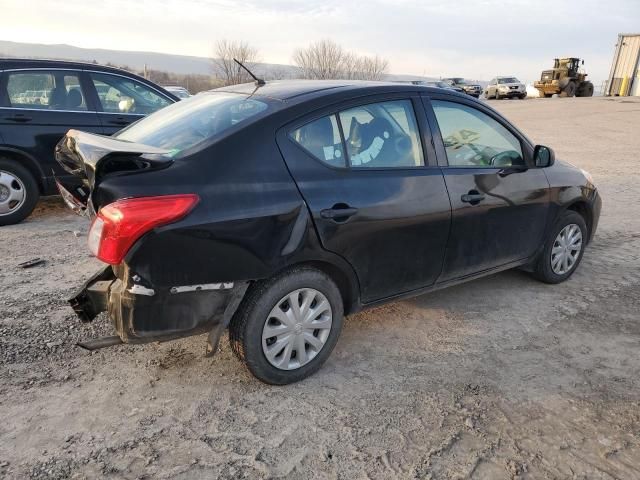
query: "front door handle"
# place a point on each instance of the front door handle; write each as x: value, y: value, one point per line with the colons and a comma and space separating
x: 18, y: 118
x: 119, y: 121
x: 473, y: 197
x: 338, y: 213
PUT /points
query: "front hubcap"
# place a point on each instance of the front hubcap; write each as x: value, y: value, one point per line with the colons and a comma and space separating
x: 566, y: 249
x: 296, y: 329
x: 12, y: 193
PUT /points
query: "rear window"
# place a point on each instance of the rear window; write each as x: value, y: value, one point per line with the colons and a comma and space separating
x: 190, y: 122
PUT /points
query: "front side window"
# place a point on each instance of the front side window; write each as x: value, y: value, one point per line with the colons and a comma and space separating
x: 474, y: 139
x: 42, y: 90
x: 193, y: 121
x: 124, y: 95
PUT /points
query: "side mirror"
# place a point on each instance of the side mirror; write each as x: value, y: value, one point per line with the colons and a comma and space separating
x: 543, y: 156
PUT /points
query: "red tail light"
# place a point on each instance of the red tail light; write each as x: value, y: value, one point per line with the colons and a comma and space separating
x: 118, y: 225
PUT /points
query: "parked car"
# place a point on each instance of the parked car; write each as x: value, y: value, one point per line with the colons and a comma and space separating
x: 442, y: 84
x: 179, y: 92
x: 472, y: 89
x: 40, y: 100
x: 505, y: 87
x: 276, y: 210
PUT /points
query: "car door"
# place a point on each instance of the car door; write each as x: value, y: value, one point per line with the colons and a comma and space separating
x: 491, y: 88
x: 122, y: 100
x: 499, y: 199
x: 39, y: 106
x: 368, y: 175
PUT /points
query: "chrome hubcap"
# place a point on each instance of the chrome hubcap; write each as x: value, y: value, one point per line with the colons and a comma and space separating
x: 12, y: 193
x: 296, y: 329
x: 566, y: 249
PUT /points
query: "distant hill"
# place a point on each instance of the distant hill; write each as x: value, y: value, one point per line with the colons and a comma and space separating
x: 180, y: 64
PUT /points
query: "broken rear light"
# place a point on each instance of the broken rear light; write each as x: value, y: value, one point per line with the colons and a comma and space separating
x: 118, y: 225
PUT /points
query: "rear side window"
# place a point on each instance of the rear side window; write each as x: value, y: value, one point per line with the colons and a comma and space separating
x: 42, y: 90
x: 124, y: 95
x: 193, y: 121
x: 321, y: 138
x: 377, y: 135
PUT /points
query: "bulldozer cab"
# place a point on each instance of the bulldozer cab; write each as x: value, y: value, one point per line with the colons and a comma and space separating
x: 569, y: 65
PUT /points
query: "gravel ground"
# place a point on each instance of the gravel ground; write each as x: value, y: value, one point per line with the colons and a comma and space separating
x: 500, y: 378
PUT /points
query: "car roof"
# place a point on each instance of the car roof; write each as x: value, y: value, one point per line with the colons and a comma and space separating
x: 9, y: 63
x: 28, y: 63
x: 301, y: 90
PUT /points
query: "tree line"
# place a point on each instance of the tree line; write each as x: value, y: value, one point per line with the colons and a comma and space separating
x: 322, y: 60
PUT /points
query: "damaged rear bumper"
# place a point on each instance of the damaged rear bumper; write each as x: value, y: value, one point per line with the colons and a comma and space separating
x: 141, y: 313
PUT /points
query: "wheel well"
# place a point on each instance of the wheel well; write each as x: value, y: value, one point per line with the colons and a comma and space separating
x: 347, y: 289
x: 26, y: 162
x: 582, y: 209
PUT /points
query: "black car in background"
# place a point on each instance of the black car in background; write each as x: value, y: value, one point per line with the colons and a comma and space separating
x: 277, y: 209
x: 443, y: 84
x: 40, y: 100
x: 472, y: 89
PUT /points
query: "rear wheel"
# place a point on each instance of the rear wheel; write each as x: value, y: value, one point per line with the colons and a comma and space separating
x: 585, y: 90
x: 18, y: 192
x: 563, y: 249
x: 286, y: 327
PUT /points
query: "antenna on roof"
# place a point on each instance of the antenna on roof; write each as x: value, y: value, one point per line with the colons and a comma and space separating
x: 259, y: 81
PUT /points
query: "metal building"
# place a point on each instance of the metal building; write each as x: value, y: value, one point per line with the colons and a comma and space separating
x: 624, y: 79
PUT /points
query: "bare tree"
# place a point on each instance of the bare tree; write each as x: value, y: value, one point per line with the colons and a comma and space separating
x: 328, y: 60
x: 320, y: 60
x: 373, y: 68
x: 228, y: 70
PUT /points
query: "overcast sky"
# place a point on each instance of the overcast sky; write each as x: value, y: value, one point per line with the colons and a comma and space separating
x: 472, y: 38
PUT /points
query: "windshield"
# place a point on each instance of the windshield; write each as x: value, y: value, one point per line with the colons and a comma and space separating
x: 192, y: 121
x: 508, y: 80
x: 179, y: 92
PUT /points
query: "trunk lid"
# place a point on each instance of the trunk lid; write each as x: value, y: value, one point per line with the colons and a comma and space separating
x: 90, y: 158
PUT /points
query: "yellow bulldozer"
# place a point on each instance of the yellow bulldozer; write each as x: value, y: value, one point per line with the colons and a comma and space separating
x: 565, y: 79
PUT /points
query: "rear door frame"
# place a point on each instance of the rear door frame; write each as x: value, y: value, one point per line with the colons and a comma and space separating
x: 429, y: 154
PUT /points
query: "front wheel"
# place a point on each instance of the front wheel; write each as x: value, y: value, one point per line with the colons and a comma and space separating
x: 286, y: 327
x: 563, y: 249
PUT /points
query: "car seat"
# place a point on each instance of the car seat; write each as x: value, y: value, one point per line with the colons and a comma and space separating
x: 58, y: 98
x: 74, y: 99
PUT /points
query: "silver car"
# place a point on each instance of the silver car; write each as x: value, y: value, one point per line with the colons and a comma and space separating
x: 505, y: 87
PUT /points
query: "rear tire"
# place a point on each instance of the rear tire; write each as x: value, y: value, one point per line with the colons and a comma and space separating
x: 585, y: 90
x: 260, y: 314
x: 19, y: 192
x: 544, y: 269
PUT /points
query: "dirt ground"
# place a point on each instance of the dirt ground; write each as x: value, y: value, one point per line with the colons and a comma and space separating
x: 499, y: 378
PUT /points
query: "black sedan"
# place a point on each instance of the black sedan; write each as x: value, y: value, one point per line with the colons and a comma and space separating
x: 275, y: 210
x: 40, y: 100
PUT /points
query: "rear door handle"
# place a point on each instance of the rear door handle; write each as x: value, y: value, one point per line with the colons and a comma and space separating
x: 18, y: 118
x: 472, y: 197
x: 338, y: 214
